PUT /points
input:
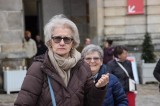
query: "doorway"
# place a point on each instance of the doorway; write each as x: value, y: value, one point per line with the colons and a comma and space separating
x: 31, y: 16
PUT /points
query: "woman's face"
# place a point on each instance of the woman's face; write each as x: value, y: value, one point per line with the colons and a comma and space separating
x: 106, y: 44
x: 122, y: 57
x: 94, y: 61
x: 61, y: 46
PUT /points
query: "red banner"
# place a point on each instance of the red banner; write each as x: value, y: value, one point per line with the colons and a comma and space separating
x: 135, y: 7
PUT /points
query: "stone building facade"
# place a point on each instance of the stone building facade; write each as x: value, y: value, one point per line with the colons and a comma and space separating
x: 126, y: 29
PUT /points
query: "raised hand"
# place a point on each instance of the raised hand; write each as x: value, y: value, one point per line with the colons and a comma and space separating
x: 104, y: 80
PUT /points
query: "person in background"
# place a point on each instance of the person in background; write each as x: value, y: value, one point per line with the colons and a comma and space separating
x: 156, y: 72
x: 62, y: 69
x: 120, y: 57
x: 87, y: 41
x: 108, y: 51
x: 115, y: 95
x: 41, y: 47
x: 30, y: 47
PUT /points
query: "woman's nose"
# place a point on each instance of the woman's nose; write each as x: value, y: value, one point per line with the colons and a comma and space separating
x: 62, y: 42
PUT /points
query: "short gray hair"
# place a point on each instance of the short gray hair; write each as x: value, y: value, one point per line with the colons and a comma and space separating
x: 61, y: 20
x: 92, y: 48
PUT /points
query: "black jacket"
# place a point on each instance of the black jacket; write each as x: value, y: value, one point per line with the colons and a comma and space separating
x: 115, y: 69
x: 156, y: 71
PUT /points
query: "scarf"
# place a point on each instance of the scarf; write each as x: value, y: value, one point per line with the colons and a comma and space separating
x: 64, y: 65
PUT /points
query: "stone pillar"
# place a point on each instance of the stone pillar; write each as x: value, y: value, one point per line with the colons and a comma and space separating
x: 11, y: 33
x: 11, y: 26
x: 96, y: 20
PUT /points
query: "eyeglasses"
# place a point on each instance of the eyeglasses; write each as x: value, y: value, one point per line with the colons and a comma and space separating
x: 58, y: 39
x: 96, y: 59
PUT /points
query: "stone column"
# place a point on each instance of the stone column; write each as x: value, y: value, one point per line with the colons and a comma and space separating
x: 11, y: 33
x: 96, y: 20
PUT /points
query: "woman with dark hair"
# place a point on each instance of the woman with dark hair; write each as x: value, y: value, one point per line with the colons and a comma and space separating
x: 108, y: 51
x: 121, y: 67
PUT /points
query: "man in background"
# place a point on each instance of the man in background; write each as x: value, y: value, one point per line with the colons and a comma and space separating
x: 87, y: 41
x: 29, y: 47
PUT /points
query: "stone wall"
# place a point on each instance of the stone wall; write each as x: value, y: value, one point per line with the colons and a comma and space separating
x: 127, y: 29
x: 11, y: 26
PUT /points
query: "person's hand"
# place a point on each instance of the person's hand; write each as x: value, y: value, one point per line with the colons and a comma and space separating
x: 103, y: 81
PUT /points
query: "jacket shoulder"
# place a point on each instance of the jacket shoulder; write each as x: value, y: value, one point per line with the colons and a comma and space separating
x: 83, y: 68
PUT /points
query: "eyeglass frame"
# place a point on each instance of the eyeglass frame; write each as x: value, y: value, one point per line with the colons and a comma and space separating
x: 96, y: 59
x: 64, y: 39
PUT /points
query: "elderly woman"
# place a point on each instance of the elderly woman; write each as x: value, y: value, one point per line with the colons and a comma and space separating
x: 115, y: 95
x: 62, y: 71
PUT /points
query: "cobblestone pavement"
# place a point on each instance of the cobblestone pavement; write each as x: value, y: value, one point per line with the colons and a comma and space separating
x: 148, y: 95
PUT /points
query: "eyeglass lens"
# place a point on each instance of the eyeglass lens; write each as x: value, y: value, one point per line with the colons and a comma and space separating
x: 57, y: 39
x: 94, y: 58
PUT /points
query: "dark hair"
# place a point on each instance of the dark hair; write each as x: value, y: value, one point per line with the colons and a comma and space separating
x: 27, y: 32
x: 109, y: 41
x: 118, y: 50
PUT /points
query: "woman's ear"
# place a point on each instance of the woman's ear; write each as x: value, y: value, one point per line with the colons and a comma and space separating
x: 49, y: 43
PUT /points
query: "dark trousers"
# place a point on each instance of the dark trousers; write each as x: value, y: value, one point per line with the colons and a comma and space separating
x: 29, y: 62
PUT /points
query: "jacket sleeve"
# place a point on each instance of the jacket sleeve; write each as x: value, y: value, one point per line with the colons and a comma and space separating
x: 120, y: 98
x: 34, y: 48
x: 156, y: 71
x: 31, y: 87
x: 93, y: 96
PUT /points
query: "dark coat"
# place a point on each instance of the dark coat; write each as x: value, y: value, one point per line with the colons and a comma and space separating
x: 115, y: 95
x: 108, y: 54
x: 41, y: 48
x: 156, y: 71
x: 115, y: 69
x: 81, y: 90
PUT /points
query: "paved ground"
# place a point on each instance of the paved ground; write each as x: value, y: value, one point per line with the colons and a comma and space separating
x: 148, y: 95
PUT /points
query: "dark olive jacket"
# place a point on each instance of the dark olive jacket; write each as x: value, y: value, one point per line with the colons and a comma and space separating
x: 80, y: 91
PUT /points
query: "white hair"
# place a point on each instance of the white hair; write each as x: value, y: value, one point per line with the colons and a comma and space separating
x: 61, y: 21
x: 90, y: 49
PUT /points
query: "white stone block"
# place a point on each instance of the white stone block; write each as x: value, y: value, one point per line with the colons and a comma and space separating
x: 153, y: 19
x: 133, y: 20
x: 134, y: 36
x: 153, y: 2
x: 11, y: 5
x: 118, y: 11
x: 115, y: 3
x: 154, y: 28
x: 3, y: 18
x: 135, y: 29
x: 114, y: 21
x: 153, y: 10
x: 114, y: 30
